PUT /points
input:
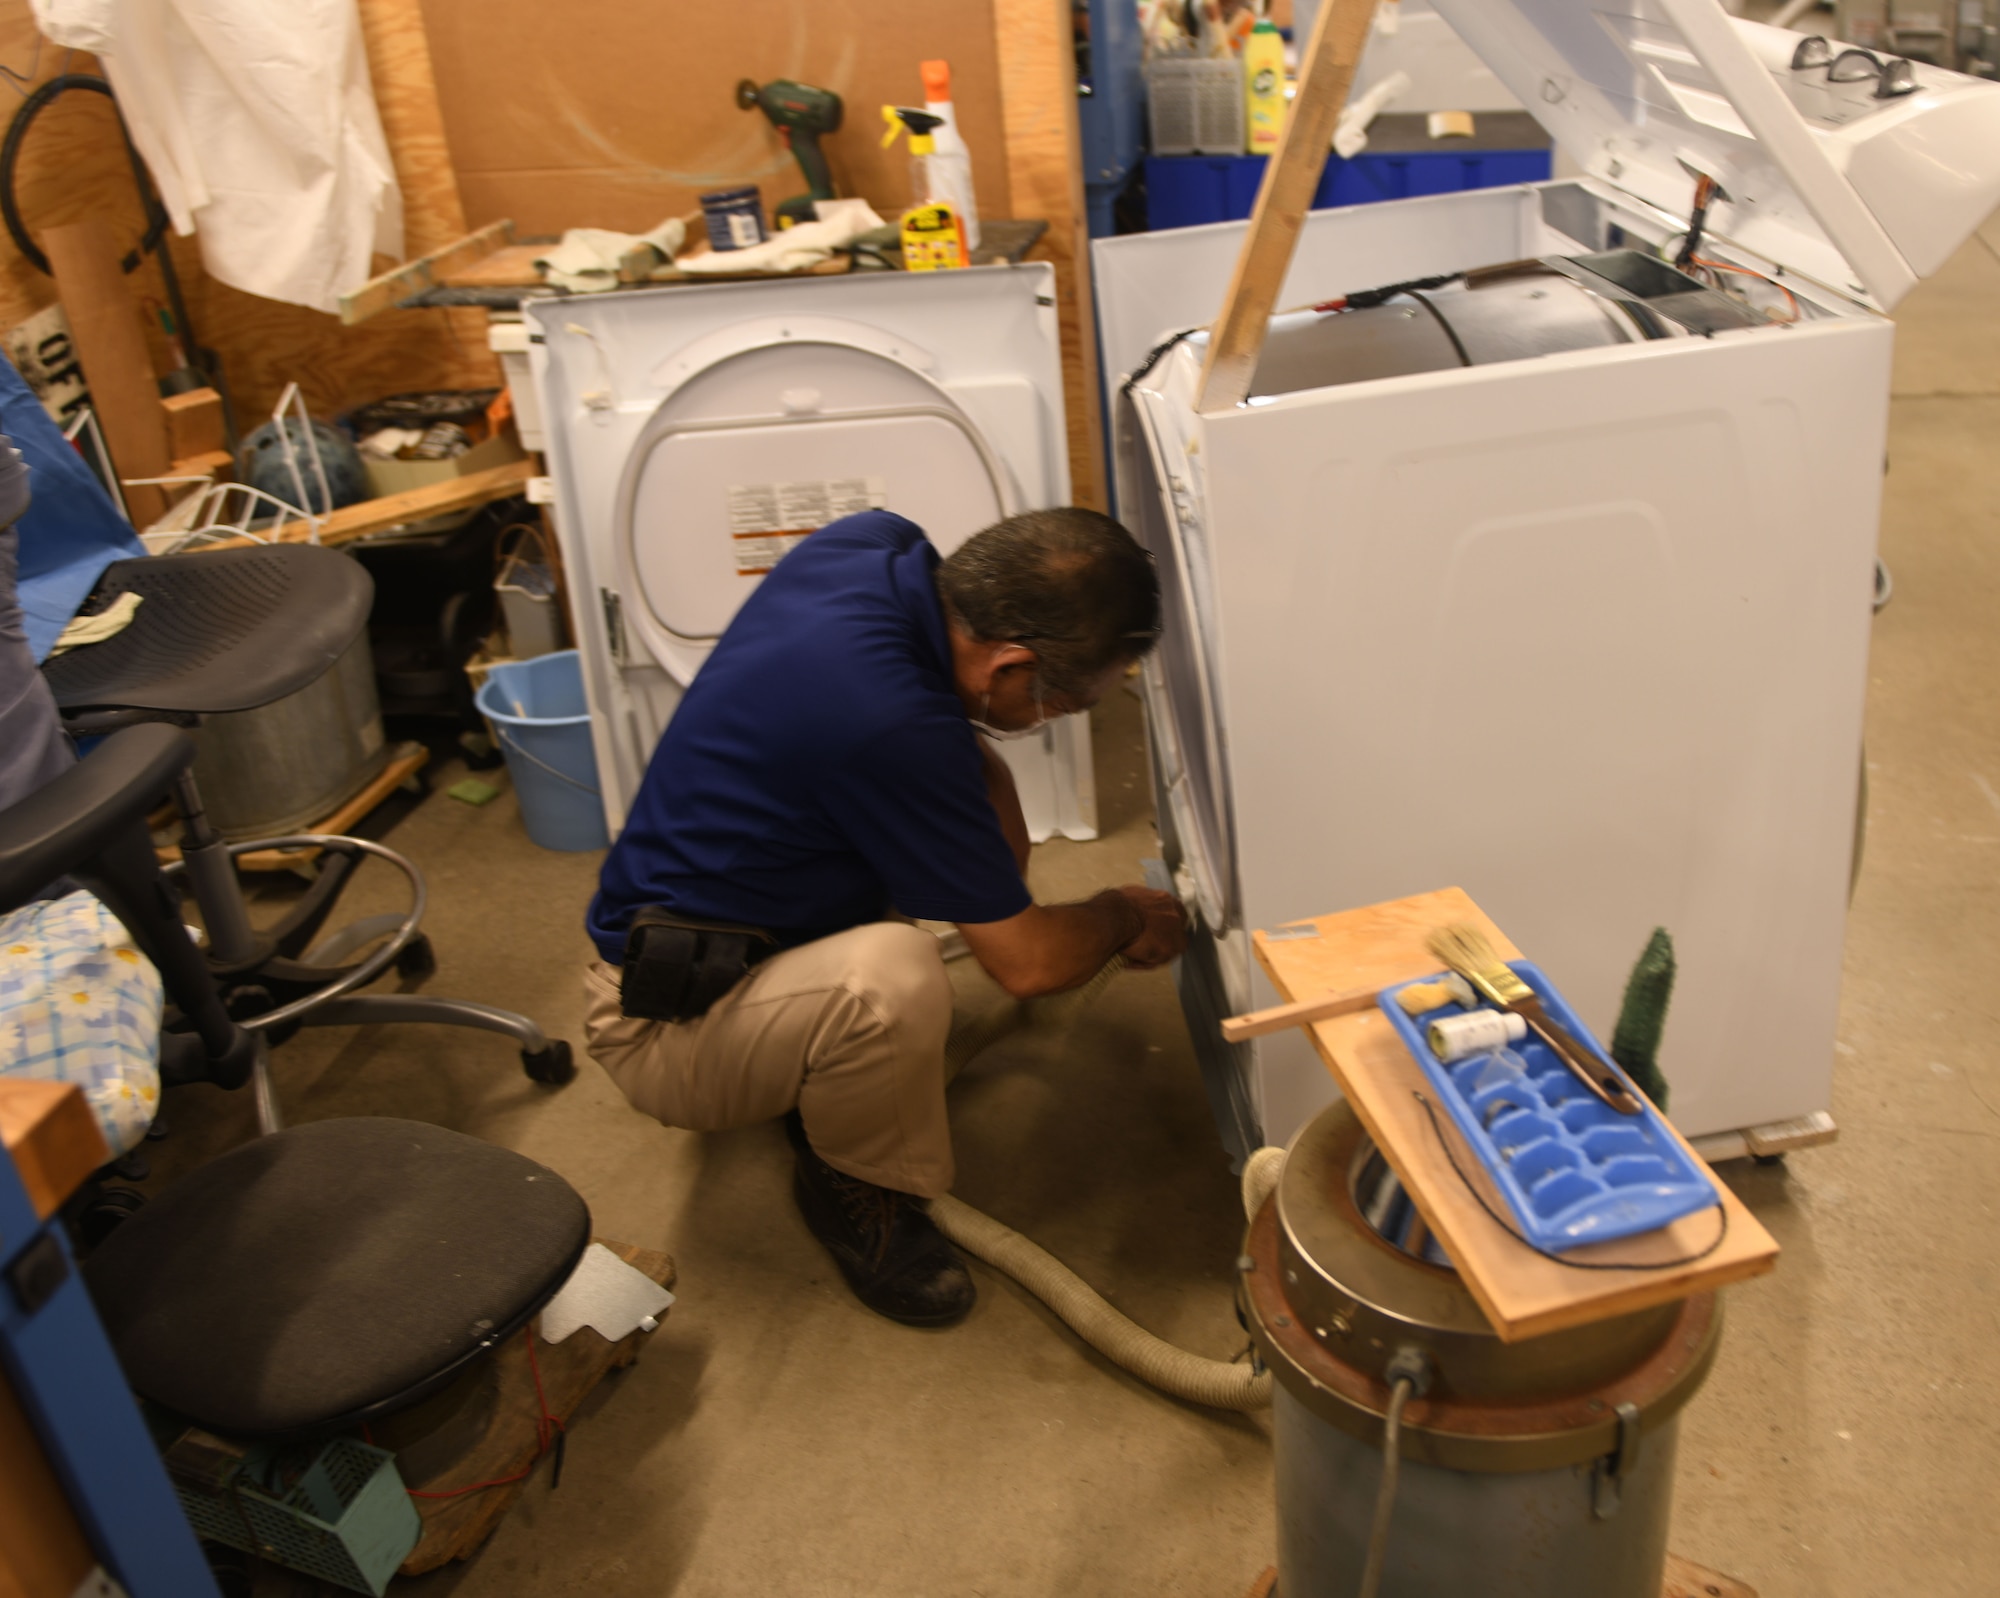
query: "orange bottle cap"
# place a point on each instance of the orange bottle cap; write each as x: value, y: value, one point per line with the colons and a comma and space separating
x: 937, y: 80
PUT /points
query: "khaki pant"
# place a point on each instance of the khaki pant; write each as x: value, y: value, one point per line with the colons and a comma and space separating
x: 850, y: 1029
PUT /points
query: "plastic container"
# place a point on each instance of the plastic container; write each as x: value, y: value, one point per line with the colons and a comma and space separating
x: 951, y: 161
x: 1572, y: 1169
x: 1263, y: 89
x: 735, y: 218
x: 543, y: 725
x: 1194, y: 106
x: 343, y: 1516
x: 526, y: 584
x: 1188, y: 190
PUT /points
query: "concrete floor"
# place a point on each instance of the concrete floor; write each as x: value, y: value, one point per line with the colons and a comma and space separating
x: 777, y: 1438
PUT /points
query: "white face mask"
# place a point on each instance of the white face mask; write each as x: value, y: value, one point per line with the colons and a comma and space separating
x: 1011, y: 734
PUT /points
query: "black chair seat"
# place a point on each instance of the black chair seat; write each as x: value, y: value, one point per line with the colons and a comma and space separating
x: 334, y: 1272
x: 222, y: 630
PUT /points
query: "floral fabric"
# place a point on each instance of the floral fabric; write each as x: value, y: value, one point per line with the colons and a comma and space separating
x: 78, y: 1003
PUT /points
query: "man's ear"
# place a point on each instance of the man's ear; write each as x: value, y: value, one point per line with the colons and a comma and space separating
x: 1012, y: 657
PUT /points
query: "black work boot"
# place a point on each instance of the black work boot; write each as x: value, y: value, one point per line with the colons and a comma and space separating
x: 884, y: 1241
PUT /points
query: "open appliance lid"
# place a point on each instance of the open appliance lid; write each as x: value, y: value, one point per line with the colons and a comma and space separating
x: 1865, y: 192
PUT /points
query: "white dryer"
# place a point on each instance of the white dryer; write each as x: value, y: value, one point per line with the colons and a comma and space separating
x: 1513, y: 583
x: 695, y: 434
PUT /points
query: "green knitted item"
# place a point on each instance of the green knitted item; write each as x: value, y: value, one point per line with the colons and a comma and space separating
x: 1642, y: 1018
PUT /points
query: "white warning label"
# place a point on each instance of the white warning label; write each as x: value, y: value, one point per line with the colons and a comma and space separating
x: 768, y: 520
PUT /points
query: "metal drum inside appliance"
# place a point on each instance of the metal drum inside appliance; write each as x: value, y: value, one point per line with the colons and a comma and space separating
x: 1537, y: 1469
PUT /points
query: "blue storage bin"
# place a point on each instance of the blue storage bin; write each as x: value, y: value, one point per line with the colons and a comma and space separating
x: 1401, y: 161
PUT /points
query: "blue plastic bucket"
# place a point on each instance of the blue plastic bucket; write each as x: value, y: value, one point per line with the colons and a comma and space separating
x: 538, y: 712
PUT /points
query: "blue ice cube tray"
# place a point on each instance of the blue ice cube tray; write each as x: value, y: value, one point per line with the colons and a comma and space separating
x: 1572, y: 1169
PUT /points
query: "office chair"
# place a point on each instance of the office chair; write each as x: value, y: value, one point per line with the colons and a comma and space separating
x: 235, y: 629
x: 313, y: 1279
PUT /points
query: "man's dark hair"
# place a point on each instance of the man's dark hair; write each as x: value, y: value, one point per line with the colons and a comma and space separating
x: 1069, y: 583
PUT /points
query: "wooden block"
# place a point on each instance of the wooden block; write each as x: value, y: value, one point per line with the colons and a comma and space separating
x: 1326, y: 72
x: 43, y: 1552
x: 1523, y: 1293
x: 51, y: 1137
x: 455, y: 1527
x: 109, y: 332
x: 194, y: 423
x: 378, y: 294
x: 1265, y: 1585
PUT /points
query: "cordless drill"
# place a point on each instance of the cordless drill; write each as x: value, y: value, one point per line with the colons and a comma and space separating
x: 801, y: 114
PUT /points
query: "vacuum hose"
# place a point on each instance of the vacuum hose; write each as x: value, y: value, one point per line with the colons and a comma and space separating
x: 1217, y: 1383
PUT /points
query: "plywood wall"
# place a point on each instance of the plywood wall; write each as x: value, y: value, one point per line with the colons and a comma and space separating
x: 74, y: 164
x: 600, y: 113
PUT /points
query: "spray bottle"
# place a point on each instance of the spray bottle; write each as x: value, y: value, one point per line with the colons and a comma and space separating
x: 933, y: 233
x: 1263, y: 88
x: 951, y: 161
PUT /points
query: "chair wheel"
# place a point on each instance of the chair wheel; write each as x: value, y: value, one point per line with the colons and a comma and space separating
x: 552, y: 1065
x: 109, y: 1210
x: 417, y: 959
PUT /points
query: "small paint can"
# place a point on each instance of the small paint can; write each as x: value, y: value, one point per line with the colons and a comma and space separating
x: 1453, y: 1037
x: 735, y: 218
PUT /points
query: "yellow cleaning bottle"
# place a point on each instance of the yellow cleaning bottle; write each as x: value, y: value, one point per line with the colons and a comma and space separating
x: 933, y: 230
x: 1263, y: 88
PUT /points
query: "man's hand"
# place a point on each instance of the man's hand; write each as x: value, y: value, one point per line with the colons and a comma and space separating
x: 1050, y: 948
x: 1164, y: 934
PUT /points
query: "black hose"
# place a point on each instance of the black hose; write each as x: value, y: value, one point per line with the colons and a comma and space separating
x: 150, y: 242
x: 10, y: 154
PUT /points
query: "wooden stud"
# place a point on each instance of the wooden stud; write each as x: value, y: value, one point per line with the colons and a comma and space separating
x: 43, y: 1552
x: 1037, y: 54
x: 1326, y: 72
x: 109, y: 332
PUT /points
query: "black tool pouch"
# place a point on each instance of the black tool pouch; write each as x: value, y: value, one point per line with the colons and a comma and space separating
x: 675, y: 969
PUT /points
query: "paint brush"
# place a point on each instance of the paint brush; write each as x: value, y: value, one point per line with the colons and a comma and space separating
x: 1471, y: 954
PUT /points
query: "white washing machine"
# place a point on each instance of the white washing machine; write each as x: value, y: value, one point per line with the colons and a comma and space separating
x: 695, y: 434
x: 1545, y: 582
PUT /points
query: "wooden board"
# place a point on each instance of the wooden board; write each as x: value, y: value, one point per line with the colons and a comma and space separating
x: 52, y: 1138
x: 194, y: 423
x: 562, y: 127
x: 412, y: 505
x: 1326, y: 72
x: 1523, y: 1293
x: 510, y: 266
x: 379, y: 293
x: 43, y: 1551
x: 1036, y: 50
x: 110, y: 336
x: 405, y: 764
x: 455, y: 1527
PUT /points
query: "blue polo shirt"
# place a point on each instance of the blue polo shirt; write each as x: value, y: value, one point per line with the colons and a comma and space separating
x: 820, y: 769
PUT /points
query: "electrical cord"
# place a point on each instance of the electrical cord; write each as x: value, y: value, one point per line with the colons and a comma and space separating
x: 10, y: 154
x: 1514, y: 1232
x: 1385, y: 1495
x: 1704, y: 195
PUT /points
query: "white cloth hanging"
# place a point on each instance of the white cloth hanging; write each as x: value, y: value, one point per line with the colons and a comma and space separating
x: 259, y: 124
